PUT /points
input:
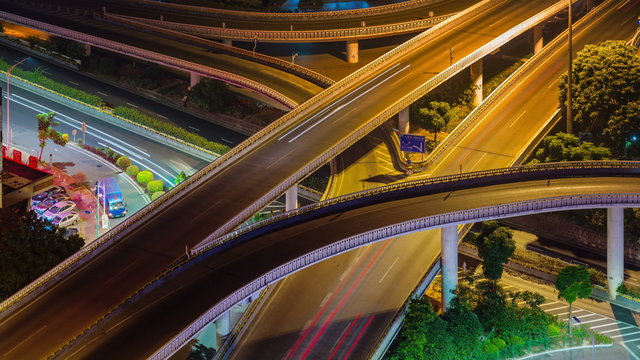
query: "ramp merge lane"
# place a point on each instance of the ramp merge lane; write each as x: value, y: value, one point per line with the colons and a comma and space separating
x: 145, y: 250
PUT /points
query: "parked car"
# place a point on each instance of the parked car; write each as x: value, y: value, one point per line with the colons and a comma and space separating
x: 59, y: 197
x: 56, y: 190
x: 59, y: 208
x: 65, y: 219
x: 43, y: 206
x: 35, y: 199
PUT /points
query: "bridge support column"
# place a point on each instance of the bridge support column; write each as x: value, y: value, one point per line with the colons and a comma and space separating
x: 195, y: 79
x: 403, y: 121
x: 589, y: 5
x: 476, y: 81
x: 538, y: 41
x: 223, y: 324
x: 291, y: 198
x: 86, y: 50
x: 227, y: 42
x: 615, y: 249
x: 352, y: 51
x: 449, y: 260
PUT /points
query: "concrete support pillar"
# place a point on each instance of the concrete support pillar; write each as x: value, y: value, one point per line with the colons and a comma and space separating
x: 291, y: 198
x: 223, y: 324
x: 195, y: 79
x: 538, y: 41
x: 237, y: 311
x: 352, y: 51
x: 615, y: 249
x: 476, y: 81
x: 449, y: 260
x: 403, y: 121
x: 87, y: 50
x: 589, y: 5
x: 227, y: 42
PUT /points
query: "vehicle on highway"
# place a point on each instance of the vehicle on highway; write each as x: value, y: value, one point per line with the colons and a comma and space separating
x: 66, y: 219
x: 59, y: 208
x: 110, y: 197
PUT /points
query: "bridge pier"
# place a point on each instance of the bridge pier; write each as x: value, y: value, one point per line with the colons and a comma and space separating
x: 87, y: 50
x: 227, y: 42
x: 538, y: 41
x: 476, y: 81
x: 352, y: 51
x: 449, y: 261
x: 223, y: 324
x: 195, y: 79
x: 291, y: 198
x: 403, y: 121
x: 615, y: 249
x: 589, y: 4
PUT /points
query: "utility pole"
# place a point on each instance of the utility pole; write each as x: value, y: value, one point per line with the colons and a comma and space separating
x: 569, y: 75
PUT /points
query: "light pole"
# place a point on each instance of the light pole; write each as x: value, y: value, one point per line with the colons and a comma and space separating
x: 8, y: 96
x: 569, y: 75
x: 293, y: 57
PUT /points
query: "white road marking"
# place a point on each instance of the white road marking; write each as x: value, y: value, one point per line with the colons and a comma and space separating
x: 627, y: 334
x: 326, y: 298
x: 191, y: 127
x: 518, y: 118
x: 389, y: 269
x: 73, y: 82
x: 227, y: 141
x: 162, y: 116
x: 130, y: 104
x: 103, y: 94
x: 620, y: 328
x: 629, y: 351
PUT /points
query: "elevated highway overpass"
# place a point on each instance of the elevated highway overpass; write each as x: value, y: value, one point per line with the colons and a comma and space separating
x: 286, y: 150
x: 243, y: 262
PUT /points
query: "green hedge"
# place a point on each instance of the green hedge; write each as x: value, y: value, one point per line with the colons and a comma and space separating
x: 38, y: 78
x: 169, y: 129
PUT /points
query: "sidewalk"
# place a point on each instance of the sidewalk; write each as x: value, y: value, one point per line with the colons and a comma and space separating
x: 615, y: 352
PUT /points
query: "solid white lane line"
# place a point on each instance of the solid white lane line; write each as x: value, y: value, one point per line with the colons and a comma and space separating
x: 327, y: 109
x: 132, y: 105
x: 73, y: 82
x: 227, y: 141
x: 103, y: 94
x: 478, y: 162
x: 191, y: 127
x: 326, y: 298
x: 347, y: 103
x: 518, y: 118
x: 162, y: 116
x: 389, y: 269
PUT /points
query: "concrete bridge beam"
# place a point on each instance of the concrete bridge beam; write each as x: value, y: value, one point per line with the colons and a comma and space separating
x: 449, y: 237
x: 615, y: 249
x: 352, y: 51
x: 476, y: 81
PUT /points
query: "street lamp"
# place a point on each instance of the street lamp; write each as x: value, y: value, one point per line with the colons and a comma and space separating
x: 8, y: 96
x: 569, y: 75
x: 293, y: 57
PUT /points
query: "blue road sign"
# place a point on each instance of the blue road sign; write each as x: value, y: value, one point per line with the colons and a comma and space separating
x: 412, y: 143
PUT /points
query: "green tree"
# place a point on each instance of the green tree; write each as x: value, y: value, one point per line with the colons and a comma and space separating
x: 132, y: 170
x: 495, y: 249
x: 572, y: 283
x: 435, y: 117
x: 154, y: 186
x: 46, y: 131
x: 567, y: 147
x: 211, y: 95
x: 123, y: 162
x: 465, y: 329
x: 622, y: 133
x: 180, y: 177
x: 30, y: 246
x: 605, y: 76
x: 144, y: 177
x: 201, y: 352
x: 156, y: 195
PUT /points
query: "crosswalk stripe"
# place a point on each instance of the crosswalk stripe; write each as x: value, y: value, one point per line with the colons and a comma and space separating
x: 627, y: 334
x: 630, y: 352
x: 622, y: 328
x: 603, y: 325
x: 558, y: 308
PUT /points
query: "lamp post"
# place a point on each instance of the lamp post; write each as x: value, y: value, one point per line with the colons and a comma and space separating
x: 569, y: 75
x: 8, y: 96
x: 293, y: 57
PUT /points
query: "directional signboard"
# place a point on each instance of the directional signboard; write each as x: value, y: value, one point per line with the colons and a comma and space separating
x: 412, y: 143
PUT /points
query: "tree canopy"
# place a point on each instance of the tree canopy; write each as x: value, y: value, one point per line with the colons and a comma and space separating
x: 567, y: 147
x: 605, y: 77
x: 46, y: 131
x: 495, y: 247
x: 211, y: 95
x: 573, y: 282
x: 435, y: 117
x: 30, y: 246
x: 623, y: 131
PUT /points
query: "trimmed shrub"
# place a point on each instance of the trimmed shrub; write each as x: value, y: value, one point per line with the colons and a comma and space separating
x: 123, y: 162
x: 156, y: 195
x: 144, y: 176
x: 499, y: 343
x: 65, y: 137
x: 154, y: 186
x: 132, y: 170
x: 516, y: 340
x: 489, y: 348
x: 553, y: 330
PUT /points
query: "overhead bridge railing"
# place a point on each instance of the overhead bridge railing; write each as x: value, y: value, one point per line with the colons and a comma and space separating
x: 603, y: 168
x: 365, y: 32
x: 287, y: 66
x: 133, y: 51
x: 319, y: 15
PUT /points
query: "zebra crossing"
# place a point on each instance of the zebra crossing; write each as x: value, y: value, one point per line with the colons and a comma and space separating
x: 625, y: 334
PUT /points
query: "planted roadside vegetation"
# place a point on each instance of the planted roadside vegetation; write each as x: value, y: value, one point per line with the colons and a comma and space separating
x: 130, y: 114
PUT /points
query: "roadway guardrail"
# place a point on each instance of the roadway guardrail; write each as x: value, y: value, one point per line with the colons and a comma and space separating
x: 354, y: 33
x: 303, y: 16
x: 165, y: 60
